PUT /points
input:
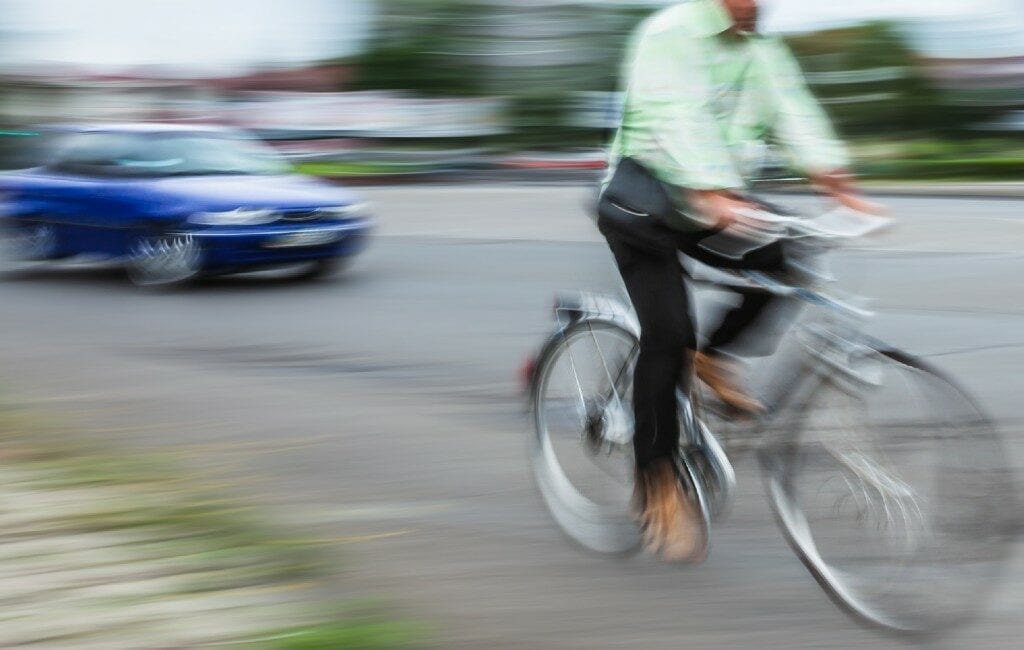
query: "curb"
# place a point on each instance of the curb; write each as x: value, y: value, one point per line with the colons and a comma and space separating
x: 936, y: 190
x: 1002, y: 190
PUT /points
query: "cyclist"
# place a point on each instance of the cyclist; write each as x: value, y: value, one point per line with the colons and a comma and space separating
x: 703, y: 91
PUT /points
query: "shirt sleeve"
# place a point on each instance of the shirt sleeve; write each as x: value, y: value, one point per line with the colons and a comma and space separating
x: 669, y: 93
x: 799, y: 123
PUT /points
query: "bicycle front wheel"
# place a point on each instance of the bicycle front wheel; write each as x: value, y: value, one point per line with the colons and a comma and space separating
x: 897, y: 495
x: 582, y: 451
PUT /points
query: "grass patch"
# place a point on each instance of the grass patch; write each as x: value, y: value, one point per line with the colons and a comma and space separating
x: 937, y: 159
x: 348, y: 634
x: 341, y: 169
x: 188, y: 538
x: 145, y: 492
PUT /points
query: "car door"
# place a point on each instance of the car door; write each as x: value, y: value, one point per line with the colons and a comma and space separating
x: 87, y: 199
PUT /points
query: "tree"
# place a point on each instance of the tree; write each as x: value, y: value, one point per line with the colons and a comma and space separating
x: 869, y: 80
x: 417, y: 48
x: 537, y: 56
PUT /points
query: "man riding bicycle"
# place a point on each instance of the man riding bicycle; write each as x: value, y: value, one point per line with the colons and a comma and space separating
x: 703, y: 91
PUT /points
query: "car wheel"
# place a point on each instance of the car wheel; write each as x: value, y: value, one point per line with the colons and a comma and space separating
x: 164, y: 260
x: 29, y: 241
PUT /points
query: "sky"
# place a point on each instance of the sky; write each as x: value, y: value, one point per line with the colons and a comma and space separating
x: 231, y: 35
x: 199, y: 34
x: 788, y: 15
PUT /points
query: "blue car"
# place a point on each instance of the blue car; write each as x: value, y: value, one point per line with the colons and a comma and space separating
x: 176, y: 202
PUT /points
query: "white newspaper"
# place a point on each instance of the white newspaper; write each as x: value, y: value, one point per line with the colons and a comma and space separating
x: 844, y: 222
x: 757, y: 228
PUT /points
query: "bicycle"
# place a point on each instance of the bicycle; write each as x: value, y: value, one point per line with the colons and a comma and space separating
x: 888, y: 481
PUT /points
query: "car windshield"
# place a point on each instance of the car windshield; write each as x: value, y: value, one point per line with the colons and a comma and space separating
x: 166, y: 154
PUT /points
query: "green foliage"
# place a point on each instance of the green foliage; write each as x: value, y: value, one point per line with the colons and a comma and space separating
x: 459, y: 48
x: 538, y: 119
x: 908, y: 103
x: 340, y: 168
x: 947, y: 159
x: 417, y: 48
x: 953, y: 169
x: 832, y: 53
x: 444, y: 47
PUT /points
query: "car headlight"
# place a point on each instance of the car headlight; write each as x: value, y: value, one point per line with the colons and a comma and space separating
x: 239, y: 217
x: 346, y: 211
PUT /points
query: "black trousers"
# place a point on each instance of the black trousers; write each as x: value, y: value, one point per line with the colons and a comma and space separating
x: 655, y: 283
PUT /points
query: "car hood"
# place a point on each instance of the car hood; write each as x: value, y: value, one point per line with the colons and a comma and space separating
x: 212, y: 193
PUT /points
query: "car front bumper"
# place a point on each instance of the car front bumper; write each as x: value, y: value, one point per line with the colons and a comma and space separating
x: 231, y: 247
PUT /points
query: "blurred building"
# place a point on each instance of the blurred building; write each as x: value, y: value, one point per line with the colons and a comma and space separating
x: 533, y: 73
x: 563, y: 44
x: 34, y: 94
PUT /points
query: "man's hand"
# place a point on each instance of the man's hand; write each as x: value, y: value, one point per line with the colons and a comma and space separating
x: 719, y: 206
x: 839, y: 185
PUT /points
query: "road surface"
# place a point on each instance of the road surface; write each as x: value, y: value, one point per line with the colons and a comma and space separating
x: 381, y: 411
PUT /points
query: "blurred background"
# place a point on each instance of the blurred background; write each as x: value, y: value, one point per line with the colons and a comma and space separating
x: 361, y: 87
x: 215, y: 464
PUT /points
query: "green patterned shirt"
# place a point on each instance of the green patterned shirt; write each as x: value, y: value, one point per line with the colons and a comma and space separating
x: 700, y: 102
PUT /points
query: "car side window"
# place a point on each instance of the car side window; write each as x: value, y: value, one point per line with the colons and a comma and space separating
x: 91, y: 154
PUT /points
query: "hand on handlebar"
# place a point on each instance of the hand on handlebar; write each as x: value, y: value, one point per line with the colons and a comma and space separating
x: 722, y: 208
x: 840, y: 186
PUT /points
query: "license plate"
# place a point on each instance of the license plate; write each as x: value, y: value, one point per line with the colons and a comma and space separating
x: 310, y: 238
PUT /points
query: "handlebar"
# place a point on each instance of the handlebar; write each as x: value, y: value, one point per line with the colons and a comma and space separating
x: 837, y: 224
x: 756, y: 228
x: 808, y: 238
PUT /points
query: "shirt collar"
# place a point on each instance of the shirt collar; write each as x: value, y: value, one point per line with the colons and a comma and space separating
x: 709, y: 17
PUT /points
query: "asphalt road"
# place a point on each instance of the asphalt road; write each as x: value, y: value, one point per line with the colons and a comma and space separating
x: 381, y: 411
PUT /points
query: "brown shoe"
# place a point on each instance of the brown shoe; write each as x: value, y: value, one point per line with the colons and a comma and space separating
x: 721, y: 377
x: 671, y: 523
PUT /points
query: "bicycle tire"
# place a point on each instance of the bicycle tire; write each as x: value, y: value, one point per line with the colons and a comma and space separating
x: 598, y: 527
x: 603, y: 528
x: 964, y: 533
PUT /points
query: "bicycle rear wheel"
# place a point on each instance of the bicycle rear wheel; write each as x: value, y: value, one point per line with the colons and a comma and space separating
x: 582, y: 451
x: 896, y: 493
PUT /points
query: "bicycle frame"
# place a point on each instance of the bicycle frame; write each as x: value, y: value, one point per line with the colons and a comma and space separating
x: 829, y: 349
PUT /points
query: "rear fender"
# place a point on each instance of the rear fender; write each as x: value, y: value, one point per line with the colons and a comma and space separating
x: 570, y: 308
x: 580, y: 305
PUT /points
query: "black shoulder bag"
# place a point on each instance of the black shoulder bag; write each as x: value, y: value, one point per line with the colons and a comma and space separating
x: 632, y: 207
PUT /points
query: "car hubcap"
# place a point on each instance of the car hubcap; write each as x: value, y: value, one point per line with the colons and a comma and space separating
x: 165, y: 260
